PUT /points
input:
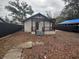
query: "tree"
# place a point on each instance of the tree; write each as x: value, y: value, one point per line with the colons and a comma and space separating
x: 7, y: 19
x: 59, y: 19
x: 2, y: 20
x: 19, y: 11
x: 53, y: 19
x: 71, y: 9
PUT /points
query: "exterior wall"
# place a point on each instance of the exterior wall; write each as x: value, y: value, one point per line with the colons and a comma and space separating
x: 27, y: 26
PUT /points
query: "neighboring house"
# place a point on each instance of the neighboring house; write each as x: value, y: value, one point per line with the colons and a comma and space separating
x: 38, y: 22
x: 69, y: 25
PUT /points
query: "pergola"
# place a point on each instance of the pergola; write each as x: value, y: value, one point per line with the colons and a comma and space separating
x: 37, y: 24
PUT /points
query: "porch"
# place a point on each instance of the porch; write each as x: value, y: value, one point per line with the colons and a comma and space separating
x: 43, y: 27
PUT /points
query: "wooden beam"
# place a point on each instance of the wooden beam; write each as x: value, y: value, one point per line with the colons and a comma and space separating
x: 49, y: 25
x: 43, y: 26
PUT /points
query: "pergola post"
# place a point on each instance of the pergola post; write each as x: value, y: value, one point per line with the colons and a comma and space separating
x: 52, y: 26
x: 49, y: 25
x: 31, y: 25
x: 43, y: 26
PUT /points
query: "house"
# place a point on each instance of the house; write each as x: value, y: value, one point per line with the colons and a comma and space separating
x: 40, y: 23
x: 69, y: 25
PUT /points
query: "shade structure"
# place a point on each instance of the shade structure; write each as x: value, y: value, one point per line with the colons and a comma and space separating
x: 73, y: 21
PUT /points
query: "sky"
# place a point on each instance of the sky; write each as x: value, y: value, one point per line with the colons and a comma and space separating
x: 53, y: 7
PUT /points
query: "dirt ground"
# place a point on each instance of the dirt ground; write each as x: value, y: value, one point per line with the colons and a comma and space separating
x: 62, y: 45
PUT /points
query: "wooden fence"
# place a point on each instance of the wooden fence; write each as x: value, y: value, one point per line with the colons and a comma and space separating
x: 6, y: 29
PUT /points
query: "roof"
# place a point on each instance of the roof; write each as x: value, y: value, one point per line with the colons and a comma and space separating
x: 39, y: 14
x: 73, y: 21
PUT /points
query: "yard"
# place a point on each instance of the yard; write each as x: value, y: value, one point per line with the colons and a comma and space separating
x: 62, y: 45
